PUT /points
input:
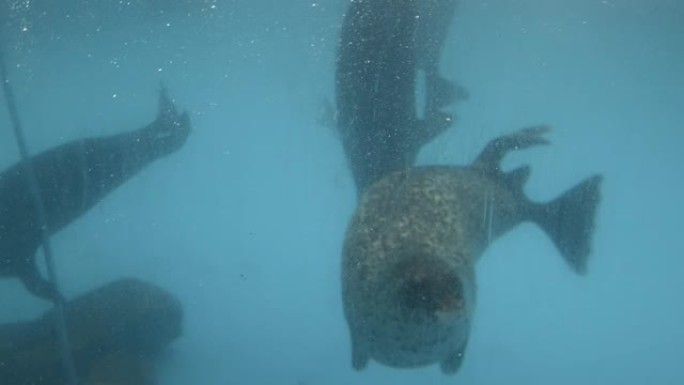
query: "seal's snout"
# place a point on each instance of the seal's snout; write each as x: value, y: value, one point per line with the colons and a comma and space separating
x: 430, y: 287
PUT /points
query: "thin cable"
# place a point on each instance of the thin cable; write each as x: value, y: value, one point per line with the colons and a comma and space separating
x: 32, y: 180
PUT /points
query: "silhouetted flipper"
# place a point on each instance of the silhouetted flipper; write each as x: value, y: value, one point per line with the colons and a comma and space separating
x: 72, y: 178
x: 568, y: 219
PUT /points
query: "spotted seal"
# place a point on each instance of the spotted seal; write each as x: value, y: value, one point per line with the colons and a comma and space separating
x: 409, y: 254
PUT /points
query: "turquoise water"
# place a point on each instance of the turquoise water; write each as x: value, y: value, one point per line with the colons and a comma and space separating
x: 245, y: 223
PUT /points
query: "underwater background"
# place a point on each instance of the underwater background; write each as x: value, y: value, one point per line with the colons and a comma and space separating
x: 245, y: 223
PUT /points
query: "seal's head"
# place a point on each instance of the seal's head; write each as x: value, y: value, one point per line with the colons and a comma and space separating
x: 421, y: 312
x: 430, y: 289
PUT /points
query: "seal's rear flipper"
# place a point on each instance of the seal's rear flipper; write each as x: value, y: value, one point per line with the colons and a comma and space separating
x: 569, y: 221
x: 167, y: 110
x: 170, y: 130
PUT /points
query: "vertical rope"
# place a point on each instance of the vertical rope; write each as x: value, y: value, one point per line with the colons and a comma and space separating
x: 32, y: 180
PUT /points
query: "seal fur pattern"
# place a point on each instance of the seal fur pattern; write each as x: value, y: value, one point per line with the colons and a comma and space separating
x: 408, y: 277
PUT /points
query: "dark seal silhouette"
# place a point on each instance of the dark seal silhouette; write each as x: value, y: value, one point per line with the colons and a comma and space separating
x: 411, y: 247
x: 117, y: 331
x: 376, y: 70
x: 72, y: 178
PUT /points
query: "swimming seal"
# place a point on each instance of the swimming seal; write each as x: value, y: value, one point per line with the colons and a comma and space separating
x: 408, y: 277
x: 72, y: 178
x: 375, y: 80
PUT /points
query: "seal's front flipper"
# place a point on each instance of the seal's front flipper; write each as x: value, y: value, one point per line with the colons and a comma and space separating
x: 360, y: 355
x: 326, y: 114
x: 38, y: 285
x: 441, y: 93
x: 432, y: 126
x: 452, y: 363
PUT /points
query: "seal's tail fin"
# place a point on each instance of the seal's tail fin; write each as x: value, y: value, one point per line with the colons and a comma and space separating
x: 167, y: 114
x: 569, y: 221
x: 170, y: 129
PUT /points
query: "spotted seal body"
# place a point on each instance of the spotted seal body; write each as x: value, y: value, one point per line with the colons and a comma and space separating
x: 72, y: 178
x: 411, y: 247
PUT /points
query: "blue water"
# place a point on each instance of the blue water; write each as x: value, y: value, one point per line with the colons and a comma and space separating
x: 245, y: 223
